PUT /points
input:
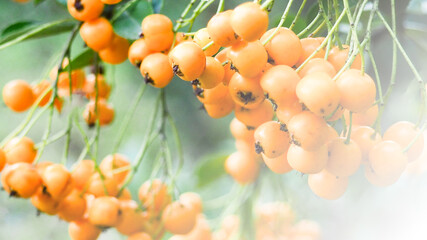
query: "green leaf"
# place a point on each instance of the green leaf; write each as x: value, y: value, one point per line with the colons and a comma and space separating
x: 36, y: 31
x: 63, y: 2
x: 157, y: 5
x: 128, y: 22
x: 16, y: 29
x: 211, y: 169
x: 84, y: 59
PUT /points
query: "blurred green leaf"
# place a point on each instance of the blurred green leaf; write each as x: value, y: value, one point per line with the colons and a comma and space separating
x: 211, y: 169
x: 157, y: 5
x: 128, y: 24
x: 82, y: 60
x: 16, y: 29
x: 37, y: 2
x: 63, y: 2
x: 21, y: 32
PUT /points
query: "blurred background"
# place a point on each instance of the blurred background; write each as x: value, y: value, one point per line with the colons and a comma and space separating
x: 364, y: 212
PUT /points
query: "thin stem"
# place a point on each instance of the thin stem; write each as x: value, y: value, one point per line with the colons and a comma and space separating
x: 68, y: 138
x: 178, y: 143
x: 317, y: 30
x: 420, y: 133
x: 33, y: 121
x: 184, y: 13
x: 46, y: 134
x: 298, y: 14
x: 354, y: 33
x: 300, y: 34
x: 282, y: 21
x: 208, y: 45
x: 220, y: 6
x: 347, y: 141
x: 128, y: 117
x: 52, y: 139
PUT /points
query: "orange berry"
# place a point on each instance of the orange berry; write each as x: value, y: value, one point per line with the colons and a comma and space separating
x: 138, y: 50
x: 256, y: 116
x: 105, y: 112
x: 240, y: 131
x: 308, y: 130
x: 366, y: 118
x: 319, y: 93
x: 44, y: 202
x: 116, y: 52
x: 280, y: 84
x: 57, y: 181
x: 113, y: 162
x: 214, y: 95
x: 179, y: 218
x: 78, y: 79
x: 404, y: 133
x: 309, y: 45
x: 307, y: 161
x: 83, y: 230
x: 228, y: 72
x: 85, y: 10
x: 156, y: 70
x: 89, y: 87
x: 213, y: 74
x: 82, y: 172
x: 154, y: 196
x: 246, y: 92
x: 220, y: 30
x: 201, y: 231
x: 285, y: 41
x: 97, y: 33
x: 242, y: 167
x: 278, y: 164
x: 338, y: 57
x: 20, y: 180
x: 2, y: 159
x: 357, y: 91
x: 192, y: 199
x: 327, y: 185
x: 344, y: 158
x: 339, y: 111
x: 43, y: 91
x: 20, y: 150
x: 286, y: 111
x: 158, y: 33
x: 111, y: 1
x: 202, y: 38
x: 249, y: 58
x: 72, y: 207
x: 220, y: 109
x: 188, y: 61
x: 387, y: 160
x: 132, y: 218
x: 18, y: 95
x: 104, y: 212
x: 271, y: 139
x: 366, y: 138
x: 315, y: 65
x: 249, y: 21
x: 139, y: 236
x: 102, y: 187
x: 246, y: 146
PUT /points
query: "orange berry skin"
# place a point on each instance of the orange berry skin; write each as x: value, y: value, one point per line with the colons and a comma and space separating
x: 44, y: 202
x: 179, y: 218
x: 156, y: 70
x: 132, y: 218
x: 387, y: 160
x: 249, y: 58
x: 139, y: 236
x: 338, y: 57
x: 366, y: 138
x: 20, y: 180
x: 192, y: 199
x: 41, y: 90
x: 18, y: 95
x: 279, y: 82
x: 85, y: 10
x: 315, y: 65
x: 78, y: 79
x: 97, y: 33
x: 240, y: 131
x: 404, y: 133
x: 278, y: 164
x: 284, y: 41
x: 138, y: 50
x: 202, y: 38
x: 344, y: 159
x: 286, y: 111
x: 246, y: 92
x: 308, y: 130
x: 221, y: 108
x: 111, y: 1
x: 158, y: 33
x: 96, y: 186
x: 256, y: 116
x: 214, y: 95
x: 271, y: 139
x: 105, y: 113
x: 83, y: 230
x: 2, y: 159
x: 242, y: 167
x: 89, y: 88
x: 319, y: 93
x: 357, y: 91
x: 154, y: 196
x: 366, y: 118
x: 327, y: 185
x: 113, y: 162
x: 104, y: 212
x: 213, y: 74
x: 20, y: 150
x: 220, y: 30
x: 249, y: 21
x: 57, y: 181
x: 309, y: 45
x: 188, y: 61
x: 307, y: 161
x: 116, y: 52
x: 72, y: 207
x: 82, y: 172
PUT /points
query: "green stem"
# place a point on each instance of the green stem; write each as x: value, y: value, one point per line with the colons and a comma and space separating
x: 220, y: 6
x: 298, y: 14
x: 123, y: 9
x: 183, y: 15
x: 282, y: 21
x: 354, y: 33
x: 420, y: 133
x: 350, y: 125
x: 305, y: 30
x: 208, y: 45
x: 52, y: 139
x: 68, y: 138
